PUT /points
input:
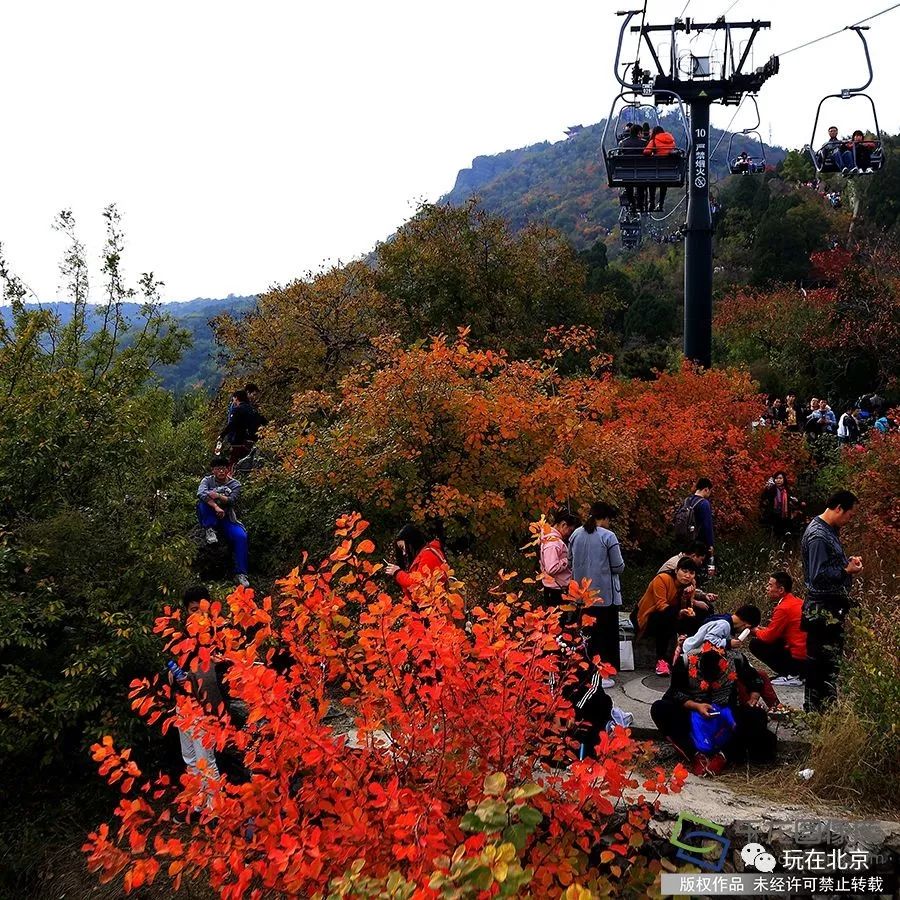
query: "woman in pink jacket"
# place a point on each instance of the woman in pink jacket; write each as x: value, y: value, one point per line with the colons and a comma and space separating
x: 556, y: 573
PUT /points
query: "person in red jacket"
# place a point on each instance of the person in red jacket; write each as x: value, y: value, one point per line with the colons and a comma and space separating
x: 414, y: 557
x: 661, y: 143
x: 781, y: 645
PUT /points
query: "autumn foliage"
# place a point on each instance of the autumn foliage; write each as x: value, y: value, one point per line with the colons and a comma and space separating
x: 840, y: 333
x: 461, y: 780
x: 485, y: 443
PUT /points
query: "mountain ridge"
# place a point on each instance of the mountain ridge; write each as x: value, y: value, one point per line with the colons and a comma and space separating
x: 563, y: 183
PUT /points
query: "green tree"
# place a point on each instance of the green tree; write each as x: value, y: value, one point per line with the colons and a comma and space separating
x: 92, y: 510
x: 796, y: 167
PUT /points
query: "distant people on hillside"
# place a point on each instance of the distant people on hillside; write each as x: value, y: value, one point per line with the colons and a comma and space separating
x: 702, y: 716
x: 556, y: 570
x: 661, y: 143
x: 217, y: 499
x: 416, y: 558
x: 779, y: 509
x: 848, y: 430
x: 597, y: 556
x: 828, y: 573
x: 791, y: 412
x: 775, y: 412
x: 665, y: 610
x: 821, y: 419
x: 781, y: 644
x: 241, y: 429
x: 694, y: 520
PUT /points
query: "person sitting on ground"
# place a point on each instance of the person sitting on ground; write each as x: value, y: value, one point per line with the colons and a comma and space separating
x: 717, y: 630
x: 416, y: 558
x: 597, y: 557
x: 217, y: 499
x: 781, y: 645
x: 720, y: 631
x: 702, y: 601
x: 704, y: 685
x: 583, y: 688
x: 662, y: 611
x: 633, y: 144
x: 661, y: 143
x: 556, y: 570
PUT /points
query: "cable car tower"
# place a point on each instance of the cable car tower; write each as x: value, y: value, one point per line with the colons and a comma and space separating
x: 697, y: 88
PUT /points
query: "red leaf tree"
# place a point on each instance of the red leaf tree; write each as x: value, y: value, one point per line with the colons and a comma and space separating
x: 449, y: 709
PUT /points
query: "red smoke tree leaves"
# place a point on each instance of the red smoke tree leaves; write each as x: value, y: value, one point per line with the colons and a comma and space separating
x: 448, y: 783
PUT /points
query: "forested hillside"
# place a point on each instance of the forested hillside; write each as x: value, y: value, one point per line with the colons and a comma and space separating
x: 483, y: 372
x: 563, y: 184
x: 198, y: 366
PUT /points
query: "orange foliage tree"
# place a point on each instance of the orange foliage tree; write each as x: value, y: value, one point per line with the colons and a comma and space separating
x: 484, y: 443
x: 448, y: 790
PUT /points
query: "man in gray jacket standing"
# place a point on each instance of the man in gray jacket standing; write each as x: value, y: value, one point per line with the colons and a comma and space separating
x: 595, y: 554
x: 828, y: 573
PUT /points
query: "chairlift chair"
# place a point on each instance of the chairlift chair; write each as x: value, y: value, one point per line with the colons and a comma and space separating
x: 629, y: 167
x: 756, y: 162
x: 824, y: 162
x: 630, y: 228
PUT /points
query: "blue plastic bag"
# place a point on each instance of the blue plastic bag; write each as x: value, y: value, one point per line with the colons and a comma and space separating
x: 712, y: 734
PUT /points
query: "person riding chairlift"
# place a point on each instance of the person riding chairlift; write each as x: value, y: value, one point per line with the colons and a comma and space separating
x: 661, y: 143
x: 857, y: 157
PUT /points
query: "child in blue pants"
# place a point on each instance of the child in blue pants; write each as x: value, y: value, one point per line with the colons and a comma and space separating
x: 218, y: 495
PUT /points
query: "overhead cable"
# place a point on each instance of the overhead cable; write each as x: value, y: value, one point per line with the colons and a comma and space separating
x: 831, y: 34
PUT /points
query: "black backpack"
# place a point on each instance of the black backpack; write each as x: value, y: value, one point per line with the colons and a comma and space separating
x: 685, y: 520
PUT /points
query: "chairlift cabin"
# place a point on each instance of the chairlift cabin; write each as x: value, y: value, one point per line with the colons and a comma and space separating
x: 630, y: 167
x: 836, y: 154
x: 631, y: 233
x: 747, y: 162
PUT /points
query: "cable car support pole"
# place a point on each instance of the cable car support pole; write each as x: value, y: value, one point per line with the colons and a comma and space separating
x: 698, y: 92
x: 698, y: 268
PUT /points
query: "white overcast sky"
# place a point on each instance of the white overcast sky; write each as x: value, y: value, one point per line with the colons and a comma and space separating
x: 246, y: 143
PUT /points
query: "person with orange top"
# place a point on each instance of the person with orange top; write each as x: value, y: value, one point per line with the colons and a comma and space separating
x: 661, y: 143
x: 664, y: 606
x: 781, y: 645
x: 415, y: 557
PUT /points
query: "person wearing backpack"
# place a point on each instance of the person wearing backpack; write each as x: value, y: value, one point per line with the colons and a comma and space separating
x: 694, y: 520
x: 596, y: 556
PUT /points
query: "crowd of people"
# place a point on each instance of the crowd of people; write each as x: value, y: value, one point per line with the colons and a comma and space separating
x: 818, y: 418
x: 720, y: 694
